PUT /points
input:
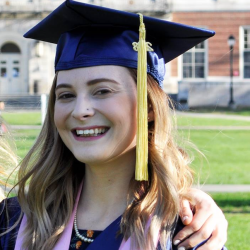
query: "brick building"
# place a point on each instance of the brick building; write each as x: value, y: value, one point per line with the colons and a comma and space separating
x: 26, y: 66
x: 203, y: 73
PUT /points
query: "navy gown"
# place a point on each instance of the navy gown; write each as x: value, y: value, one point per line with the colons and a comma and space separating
x: 106, y: 240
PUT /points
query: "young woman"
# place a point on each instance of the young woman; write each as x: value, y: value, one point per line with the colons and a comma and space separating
x: 77, y: 188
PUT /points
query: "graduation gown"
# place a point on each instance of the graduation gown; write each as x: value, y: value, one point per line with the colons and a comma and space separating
x: 107, y: 240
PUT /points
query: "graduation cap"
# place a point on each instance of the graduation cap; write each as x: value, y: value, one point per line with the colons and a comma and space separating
x: 88, y: 35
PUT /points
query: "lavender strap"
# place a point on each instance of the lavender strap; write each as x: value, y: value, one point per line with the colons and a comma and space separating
x: 64, y: 241
x: 19, y: 240
x: 127, y: 244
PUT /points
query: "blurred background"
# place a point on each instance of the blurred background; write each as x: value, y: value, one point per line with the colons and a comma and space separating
x: 209, y: 84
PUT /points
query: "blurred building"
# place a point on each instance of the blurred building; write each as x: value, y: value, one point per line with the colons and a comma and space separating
x: 27, y: 66
x: 203, y: 73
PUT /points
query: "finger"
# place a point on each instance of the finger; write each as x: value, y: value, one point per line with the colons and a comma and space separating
x: 218, y: 238
x: 186, y: 213
x: 201, y: 235
x: 199, y: 218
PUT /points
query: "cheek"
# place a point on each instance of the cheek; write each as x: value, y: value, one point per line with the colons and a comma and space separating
x: 127, y: 111
x: 58, y: 116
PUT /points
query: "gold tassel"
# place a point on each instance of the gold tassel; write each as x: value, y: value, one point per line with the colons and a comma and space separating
x: 141, y: 168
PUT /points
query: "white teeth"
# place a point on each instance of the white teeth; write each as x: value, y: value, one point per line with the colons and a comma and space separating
x: 90, y: 132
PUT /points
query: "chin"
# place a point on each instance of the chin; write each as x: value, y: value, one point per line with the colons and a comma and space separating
x: 90, y: 159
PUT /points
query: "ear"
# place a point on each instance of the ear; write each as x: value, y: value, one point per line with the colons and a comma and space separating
x: 151, y: 116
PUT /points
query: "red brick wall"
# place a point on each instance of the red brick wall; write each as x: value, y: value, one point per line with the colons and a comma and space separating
x: 224, y: 24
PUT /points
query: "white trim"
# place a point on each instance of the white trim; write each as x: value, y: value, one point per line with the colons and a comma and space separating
x: 15, y: 37
x: 242, y: 49
x: 180, y: 66
x: 223, y: 78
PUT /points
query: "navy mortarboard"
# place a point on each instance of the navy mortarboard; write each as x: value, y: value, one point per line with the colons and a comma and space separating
x: 88, y: 35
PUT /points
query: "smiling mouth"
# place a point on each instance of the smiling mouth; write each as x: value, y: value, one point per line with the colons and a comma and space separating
x: 90, y: 132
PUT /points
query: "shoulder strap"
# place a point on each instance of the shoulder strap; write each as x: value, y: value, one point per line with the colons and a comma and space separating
x: 64, y: 241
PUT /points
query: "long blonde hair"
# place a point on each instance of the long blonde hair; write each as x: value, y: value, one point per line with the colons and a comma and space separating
x: 50, y: 176
x: 169, y: 177
x: 8, y: 158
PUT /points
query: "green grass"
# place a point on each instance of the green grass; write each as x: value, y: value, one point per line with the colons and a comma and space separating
x: 24, y: 140
x: 227, y: 151
x: 227, y: 154
x: 23, y: 118
x: 238, y: 231
x: 190, y: 121
x: 233, y: 202
x: 244, y: 112
x: 34, y: 118
x: 236, y: 207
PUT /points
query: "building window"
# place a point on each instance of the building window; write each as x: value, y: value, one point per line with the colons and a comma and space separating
x: 10, y: 48
x: 3, y: 72
x: 194, y: 62
x: 246, y: 53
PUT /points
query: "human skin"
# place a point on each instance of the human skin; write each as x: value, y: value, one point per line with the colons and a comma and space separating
x: 90, y: 98
x: 104, y: 97
x: 93, y: 98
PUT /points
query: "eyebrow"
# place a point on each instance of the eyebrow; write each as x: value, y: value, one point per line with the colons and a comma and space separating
x: 98, y: 80
x: 89, y: 83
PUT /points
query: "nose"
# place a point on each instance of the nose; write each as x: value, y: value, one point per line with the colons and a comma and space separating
x: 82, y: 109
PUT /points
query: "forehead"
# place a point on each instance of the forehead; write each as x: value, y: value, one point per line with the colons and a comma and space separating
x: 117, y: 73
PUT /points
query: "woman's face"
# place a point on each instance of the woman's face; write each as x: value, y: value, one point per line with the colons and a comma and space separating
x: 95, y: 112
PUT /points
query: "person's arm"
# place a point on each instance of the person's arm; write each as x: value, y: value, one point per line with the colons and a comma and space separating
x: 208, y: 220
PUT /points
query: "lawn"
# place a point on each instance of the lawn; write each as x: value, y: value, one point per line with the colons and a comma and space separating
x: 22, y: 118
x: 227, y: 156
x: 34, y: 118
x: 191, y: 121
x: 241, y: 112
x: 236, y: 207
x: 227, y: 153
x: 238, y: 231
x: 24, y: 140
